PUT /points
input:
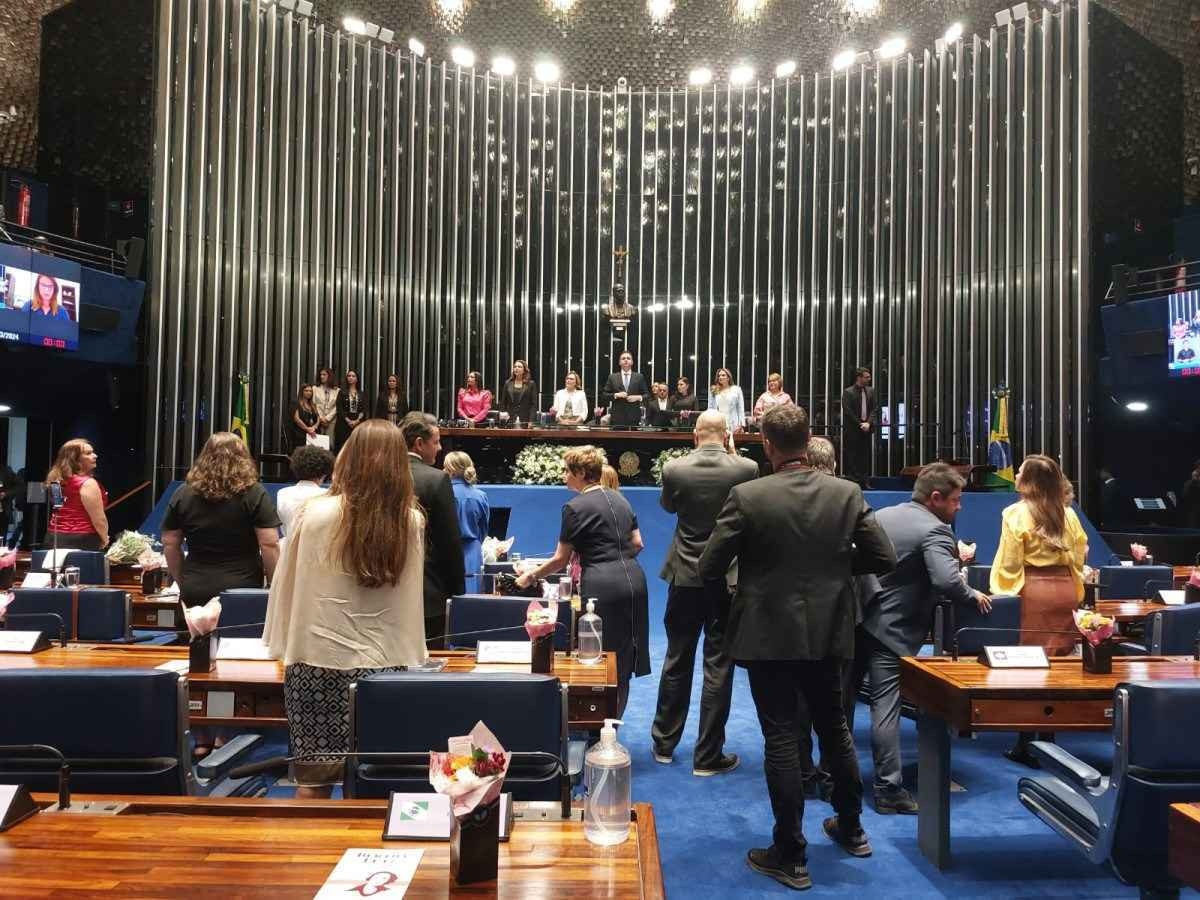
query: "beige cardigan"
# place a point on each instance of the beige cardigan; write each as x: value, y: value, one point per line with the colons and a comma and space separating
x: 317, y: 614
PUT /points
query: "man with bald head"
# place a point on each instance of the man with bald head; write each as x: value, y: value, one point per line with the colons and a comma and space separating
x: 695, y: 488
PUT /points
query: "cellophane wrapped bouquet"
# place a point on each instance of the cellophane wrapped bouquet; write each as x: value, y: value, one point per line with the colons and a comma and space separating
x: 471, y: 771
x: 1093, y: 626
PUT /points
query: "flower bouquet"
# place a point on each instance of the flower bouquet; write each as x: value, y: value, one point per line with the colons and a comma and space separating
x: 540, y: 622
x: 1141, y: 556
x: 8, y: 568
x: 471, y: 773
x: 660, y: 461
x: 1097, y: 631
x: 495, y: 550
x: 1191, y: 590
x: 6, y: 597
x: 540, y: 464
x: 128, y: 546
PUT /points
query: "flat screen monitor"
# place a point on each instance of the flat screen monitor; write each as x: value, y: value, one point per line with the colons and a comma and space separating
x: 39, y: 308
x: 1183, y: 334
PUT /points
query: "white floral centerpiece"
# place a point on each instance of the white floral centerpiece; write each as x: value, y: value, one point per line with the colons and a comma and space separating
x: 539, y: 464
x: 656, y: 468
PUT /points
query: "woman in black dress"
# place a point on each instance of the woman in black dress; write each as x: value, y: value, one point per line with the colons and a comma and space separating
x: 518, y: 397
x: 305, y: 418
x: 602, y: 528
x: 683, y: 404
x: 352, y: 408
x: 228, y: 521
x: 391, y: 403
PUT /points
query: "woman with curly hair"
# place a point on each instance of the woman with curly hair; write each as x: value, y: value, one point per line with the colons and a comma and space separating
x: 81, y: 523
x: 228, y: 520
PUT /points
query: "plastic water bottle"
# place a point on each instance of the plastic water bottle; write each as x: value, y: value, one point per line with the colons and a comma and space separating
x: 591, y: 632
x: 607, y: 774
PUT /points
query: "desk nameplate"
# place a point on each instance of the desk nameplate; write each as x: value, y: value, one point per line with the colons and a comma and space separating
x: 23, y: 641
x: 1021, y: 657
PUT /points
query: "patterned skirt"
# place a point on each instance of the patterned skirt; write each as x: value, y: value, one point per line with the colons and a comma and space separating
x: 318, y: 711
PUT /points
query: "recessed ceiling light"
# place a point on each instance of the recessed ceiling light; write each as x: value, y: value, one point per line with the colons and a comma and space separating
x: 503, y: 65
x: 1138, y: 406
x: 416, y: 47
x: 700, y: 76
x: 954, y: 32
x: 844, y: 60
x: 463, y: 56
x: 891, y: 47
x: 354, y: 26
x: 785, y: 68
x: 741, y: 74
x: 546, y: 71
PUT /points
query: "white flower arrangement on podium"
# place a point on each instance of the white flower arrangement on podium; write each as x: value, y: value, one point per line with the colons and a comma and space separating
x: 656, y: 468
x: 540, y: 464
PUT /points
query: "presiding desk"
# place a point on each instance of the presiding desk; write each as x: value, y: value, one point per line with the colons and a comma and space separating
x: 194, y: 847
x: 1183, y: 843
x: 966, y: 696
x: 249, y: 693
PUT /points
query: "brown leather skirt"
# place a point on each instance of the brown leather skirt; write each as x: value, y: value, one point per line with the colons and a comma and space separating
x: 1048, y: 600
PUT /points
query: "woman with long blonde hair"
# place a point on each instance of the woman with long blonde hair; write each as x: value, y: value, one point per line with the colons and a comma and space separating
x: 727, y: 397
x: 348, y: 600
x: 227, y: 519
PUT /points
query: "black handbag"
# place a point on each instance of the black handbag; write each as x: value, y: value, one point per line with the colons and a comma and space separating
x: 506, y: 586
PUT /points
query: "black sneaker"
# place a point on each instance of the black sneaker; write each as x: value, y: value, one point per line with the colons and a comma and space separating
x: 726, y: 763
x: 854, y: 842
x: 767, y: 861
x: 900, y: 801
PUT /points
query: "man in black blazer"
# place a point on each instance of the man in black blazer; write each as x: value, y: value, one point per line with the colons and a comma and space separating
x: 623, y: 394
x: 859, y: 417
x: 799, y: 537
x: 898, y: 613
x: 444, y: 569
x: 695, y: 488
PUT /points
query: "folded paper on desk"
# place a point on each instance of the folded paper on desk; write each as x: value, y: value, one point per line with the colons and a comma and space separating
x: 55, y: 559
x: 243, y: 648
x: 508, y: 652
x: 368, y: 872
x: 178, y: 666
x: 1172, y: 598
x: 36, y: 580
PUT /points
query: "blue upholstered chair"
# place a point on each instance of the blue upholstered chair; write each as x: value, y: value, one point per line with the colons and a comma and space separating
x: 243, y: 606
x: 949, y: 620
x: 484, y: 612
x: 101, y: 615
x: 1129, y: 582
x: 1121, y: 820
x: 411, y: 713
x: 979, y: 577
x: 123, y: 731
x: 1169, y: 632
x: 93, y: 565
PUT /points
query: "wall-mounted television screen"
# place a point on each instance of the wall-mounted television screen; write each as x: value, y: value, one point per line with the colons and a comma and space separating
x: 1183, y: 334
x: 39, y: 308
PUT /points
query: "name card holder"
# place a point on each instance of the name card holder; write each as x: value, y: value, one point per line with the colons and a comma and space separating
x: 428, y: 817
x: 202, y: 653
x: 1020, y: 657
x: 16, y: 805
x: 23, y: 641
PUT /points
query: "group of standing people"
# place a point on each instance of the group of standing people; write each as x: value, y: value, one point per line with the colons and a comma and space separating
x: 329, y: 409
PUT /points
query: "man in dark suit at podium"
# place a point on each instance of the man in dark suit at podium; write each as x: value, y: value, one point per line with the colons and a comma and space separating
x: 623, y: 394
x: 799, y: 537
x: 859, y: 416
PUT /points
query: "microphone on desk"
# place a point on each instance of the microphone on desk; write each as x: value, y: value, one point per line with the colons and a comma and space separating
x: 954, y: 646
x: 64, y: 767
x: 520, y: 627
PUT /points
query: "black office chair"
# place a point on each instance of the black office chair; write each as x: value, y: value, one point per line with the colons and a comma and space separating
x: 409, y: 714
x: 123, y: 731
x: 1169, y: 632
x: 1121, y: 819
x: 468, y: 614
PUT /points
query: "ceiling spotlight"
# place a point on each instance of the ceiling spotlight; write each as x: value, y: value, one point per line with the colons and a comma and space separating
x: 304, y: 7
x: 741, y: 74
x: 463, y: 56
x: 503, y: 65
x: 386, y: 35
x: 1020, y: 11
x: 1138, y: 406
x: 546, y: 71
x: 416, y: 47
x: 700, y: 76
x: 658, y: 10
x: 785, y: 69
x: 286, y: 4
x: 844, y: 60
x: 4, y: 407
x: 354, y: 26
x: 891, y: 48
x: 372, y: 30
x: 953, y: 33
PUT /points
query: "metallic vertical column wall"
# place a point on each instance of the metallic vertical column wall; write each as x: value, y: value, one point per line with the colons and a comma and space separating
x: 320, y: 199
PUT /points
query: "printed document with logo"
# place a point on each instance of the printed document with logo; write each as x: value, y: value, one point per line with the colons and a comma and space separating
x: 371, y: 873
x: 417, y: 817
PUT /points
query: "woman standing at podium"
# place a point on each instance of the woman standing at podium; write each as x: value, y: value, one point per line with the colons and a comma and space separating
x: 348, y: 600
x: 80, y: 524
x: 518, y: 396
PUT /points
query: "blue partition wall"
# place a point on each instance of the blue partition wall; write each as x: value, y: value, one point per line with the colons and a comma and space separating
x: 536, y: 517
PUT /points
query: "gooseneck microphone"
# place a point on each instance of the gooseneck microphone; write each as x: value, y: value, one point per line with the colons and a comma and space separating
x: 64, y: 767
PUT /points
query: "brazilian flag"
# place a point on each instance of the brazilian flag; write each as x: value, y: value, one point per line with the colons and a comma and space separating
x: 999, y: 448
x: 241, y: 410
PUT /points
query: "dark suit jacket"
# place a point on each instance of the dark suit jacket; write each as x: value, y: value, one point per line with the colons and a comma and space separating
x: 799, y: 536
x: 444, y: 570
x: 852, y: 409
x: 381, y: 405
x: 622, y: 412
x: 659, y: 418
x: 898, y: 607
x: 695, y: 489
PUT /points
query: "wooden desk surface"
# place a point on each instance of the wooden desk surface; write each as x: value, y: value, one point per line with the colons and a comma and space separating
x: 194, y: 847
x: 969, y: 696
x: 1125, y: 611
x: 1183, y: 843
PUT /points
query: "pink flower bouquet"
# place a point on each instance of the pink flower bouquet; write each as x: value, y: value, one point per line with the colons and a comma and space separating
x: 1093, y: 626
x: 1138, y: 552
x: 202, y: 620
x: 471, y: 772
x: 540, y: 620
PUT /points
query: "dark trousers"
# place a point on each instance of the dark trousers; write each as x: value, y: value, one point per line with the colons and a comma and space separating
x: 856, y: 453
x: 816, y: 775
x: 691, y: 610
x: 872, y: 658
x: 778, y: 687
x: 435, y: 629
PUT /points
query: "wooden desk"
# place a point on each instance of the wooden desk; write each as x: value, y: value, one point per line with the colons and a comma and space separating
x: 1183, y: 843
x: 1127, y: 611
x: 257, y: 686
x: 966, y: 696
x: 570, y: 434
x: 193, y: 847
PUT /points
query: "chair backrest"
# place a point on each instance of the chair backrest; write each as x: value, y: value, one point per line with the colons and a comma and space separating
x: 413, y: 713
x: 93, y: 565
x: 980, y: 578
x: 1173, y: 632
x: 1129, y: 582
x: 484, y: 612
x: 949, y: 619
x: 243, y: 606
x: 124, y: 730
x: 89, y: 614
x: 1158, y: 723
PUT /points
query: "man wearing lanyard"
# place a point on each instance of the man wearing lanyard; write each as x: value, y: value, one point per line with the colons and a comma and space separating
x: 623, y: 393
